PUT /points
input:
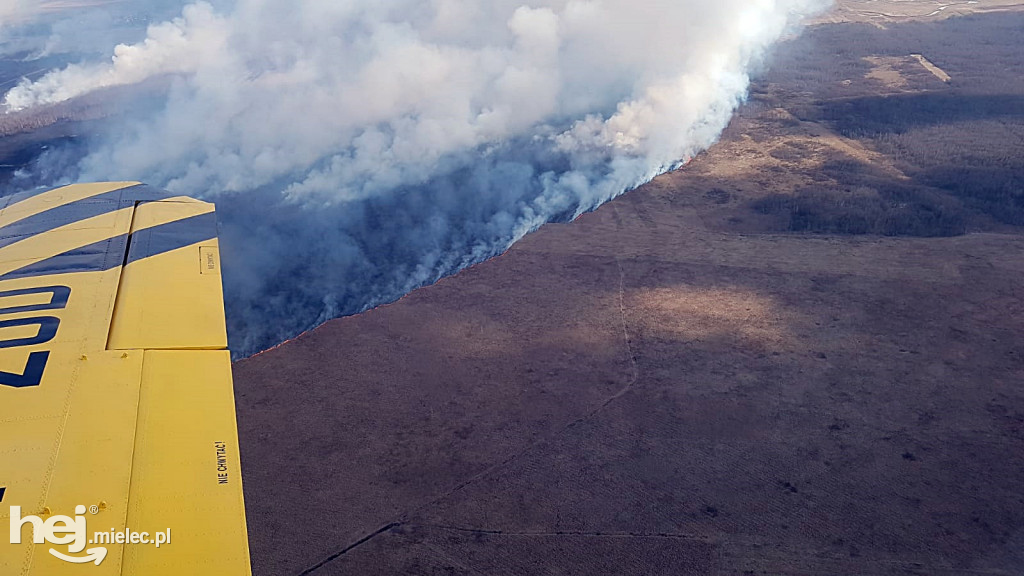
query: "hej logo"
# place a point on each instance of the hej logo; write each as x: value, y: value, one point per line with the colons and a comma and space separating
x: 60, y: 531
x: 71, y: 532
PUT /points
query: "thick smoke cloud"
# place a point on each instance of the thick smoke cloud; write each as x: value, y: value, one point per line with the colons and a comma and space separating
x: 360, y: 149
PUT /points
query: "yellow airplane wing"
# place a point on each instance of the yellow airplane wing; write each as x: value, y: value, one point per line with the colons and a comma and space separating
x: 117, y: 416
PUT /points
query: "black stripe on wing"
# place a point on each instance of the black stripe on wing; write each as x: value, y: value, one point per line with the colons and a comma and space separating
x: 110, y: 253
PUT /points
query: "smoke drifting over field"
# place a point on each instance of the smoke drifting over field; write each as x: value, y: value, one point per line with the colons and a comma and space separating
x: 360, y: 149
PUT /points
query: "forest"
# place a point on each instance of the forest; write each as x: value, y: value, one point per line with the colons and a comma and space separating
x: 960, y: 143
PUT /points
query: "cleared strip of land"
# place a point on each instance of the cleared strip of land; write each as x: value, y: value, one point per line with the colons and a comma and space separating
x: 929, y: 66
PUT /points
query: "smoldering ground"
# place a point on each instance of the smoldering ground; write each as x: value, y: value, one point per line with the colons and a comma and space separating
x: 360, y: 149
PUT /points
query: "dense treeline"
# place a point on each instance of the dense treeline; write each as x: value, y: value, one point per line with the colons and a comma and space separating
x: 890, y: 212
x: 31, y: 120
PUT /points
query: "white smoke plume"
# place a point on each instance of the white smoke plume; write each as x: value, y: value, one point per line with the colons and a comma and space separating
x: 361, y: 148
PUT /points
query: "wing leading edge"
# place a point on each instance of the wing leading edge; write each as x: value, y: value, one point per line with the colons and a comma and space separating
x: 117, y: 417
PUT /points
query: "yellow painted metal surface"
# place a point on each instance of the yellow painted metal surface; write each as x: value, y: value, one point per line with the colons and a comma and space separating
x: 59, y: 240
x: 56, y: 197
x: 186, y: 452
x: 114, y: 439
x: 191, y: 310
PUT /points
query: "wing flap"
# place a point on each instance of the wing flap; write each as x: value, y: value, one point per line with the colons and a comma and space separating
x: 186, y: 475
